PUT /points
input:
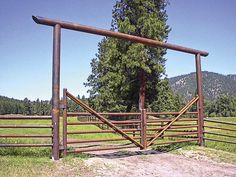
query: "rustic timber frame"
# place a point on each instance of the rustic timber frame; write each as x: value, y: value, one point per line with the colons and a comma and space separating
x: 58, y: 25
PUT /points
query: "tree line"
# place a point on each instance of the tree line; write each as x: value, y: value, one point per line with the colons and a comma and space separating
x: 37, y: 107
x: 223, y: 106
x: 25, y: 107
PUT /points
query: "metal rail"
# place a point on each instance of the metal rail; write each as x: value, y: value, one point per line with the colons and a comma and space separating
x: 126, y: 113
x: 25, y: 126
x: 25, y: 145
x: 16, y: 118
x: 100, y: 122
x: 20, y: 117
x: 100, y: 149
x: 220, y: 134
x: 105, y: 113
x: 220, y: 122
x: 25, y: 136
x: 99, y: 140
x: 220, y: 128
x: 169, y: 120
x: 177, y: 141
x: 101, y: 131
x: 168, y: 113
x: 223, y: 141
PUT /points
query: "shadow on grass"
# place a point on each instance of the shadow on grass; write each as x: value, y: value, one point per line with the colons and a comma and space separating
x: 172, y: 147
x: 113, y: 154
x: 24, y: 151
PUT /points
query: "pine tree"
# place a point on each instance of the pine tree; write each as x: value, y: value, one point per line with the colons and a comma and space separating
x: 115, y: 79
x: 27, y: 107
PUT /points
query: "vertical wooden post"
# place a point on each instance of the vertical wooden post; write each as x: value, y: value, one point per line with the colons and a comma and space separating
x: 56, y: 91
x: 143, y: 128
x: 143, y: 111
x: 142, y: 90
x: 65, y: 121
x: 200, y: 101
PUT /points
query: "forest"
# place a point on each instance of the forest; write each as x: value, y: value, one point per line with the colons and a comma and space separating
x: 223, y: 106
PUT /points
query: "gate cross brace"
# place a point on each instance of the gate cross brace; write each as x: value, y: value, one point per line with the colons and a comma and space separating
x: 182, y: 111
x: 103, y: 119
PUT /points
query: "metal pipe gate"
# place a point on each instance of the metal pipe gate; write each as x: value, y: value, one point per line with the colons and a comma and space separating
x: 143, y: 133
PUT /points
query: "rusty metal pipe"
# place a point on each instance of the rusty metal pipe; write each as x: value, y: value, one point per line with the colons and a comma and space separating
x: 25, y: 136
x: 169, y: 120
x: 21, y: 117
x: 167, y: 113
x: 220, y: 128
x: 64, y: 122
x: 92, y: 30
x: 220, y: 122
x: 101, y: 131
x: 105, y: 113
x: 25, y: 145
x: 100, y: 149
x: 25, y: 126
x: 178, y: 141
x: 125, y: 113
x: 97, y: 122
x: 99, y: 140
x: 223, y: 141
x: 220, y: 134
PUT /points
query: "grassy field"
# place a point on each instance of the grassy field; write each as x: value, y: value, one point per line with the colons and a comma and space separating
x: 220, y: 145
x: 36, y: 161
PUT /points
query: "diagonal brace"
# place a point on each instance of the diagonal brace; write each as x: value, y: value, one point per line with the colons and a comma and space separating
x: 103, y: 119
x: 182, y: 111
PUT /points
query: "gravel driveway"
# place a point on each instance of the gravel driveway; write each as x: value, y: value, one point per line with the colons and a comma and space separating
x: 149, y: 163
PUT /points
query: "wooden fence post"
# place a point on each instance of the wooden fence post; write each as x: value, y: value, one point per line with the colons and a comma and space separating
x: 200, y: 101
x: 143, y: 128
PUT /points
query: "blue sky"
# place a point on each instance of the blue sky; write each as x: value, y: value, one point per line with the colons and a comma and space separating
x: 26, y: 48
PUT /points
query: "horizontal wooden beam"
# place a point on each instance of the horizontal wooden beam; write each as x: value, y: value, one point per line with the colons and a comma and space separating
x: 128, y: 37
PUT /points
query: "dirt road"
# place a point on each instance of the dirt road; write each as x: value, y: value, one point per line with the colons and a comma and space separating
x: 151, y: 163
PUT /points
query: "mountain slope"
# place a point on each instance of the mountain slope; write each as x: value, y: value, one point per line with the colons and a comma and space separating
x: 214, y: 84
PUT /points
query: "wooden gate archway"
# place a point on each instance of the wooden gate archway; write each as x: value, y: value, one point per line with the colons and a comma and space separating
x: 57, y: 25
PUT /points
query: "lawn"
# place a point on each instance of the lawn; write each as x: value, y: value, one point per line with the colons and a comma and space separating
x: 221, y: 145
x: 37, y: 162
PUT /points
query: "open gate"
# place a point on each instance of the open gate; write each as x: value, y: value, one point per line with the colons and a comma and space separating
x: 145, y: 129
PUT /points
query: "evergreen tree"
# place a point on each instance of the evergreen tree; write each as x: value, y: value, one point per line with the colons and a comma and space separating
x: 115, y: 79
x: 27, y: 107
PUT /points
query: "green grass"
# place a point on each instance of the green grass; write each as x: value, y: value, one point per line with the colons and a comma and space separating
x: 198, y: 152
x: 42, y: 166
x: 37, y: 162
x: 74, y: 128
x: 220, y: 145
x: 24, y: 166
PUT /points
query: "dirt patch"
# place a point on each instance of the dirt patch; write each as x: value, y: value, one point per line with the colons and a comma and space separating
x: 150, y: 163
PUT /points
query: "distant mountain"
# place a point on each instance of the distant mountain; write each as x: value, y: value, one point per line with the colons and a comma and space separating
x: 214, y: 84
